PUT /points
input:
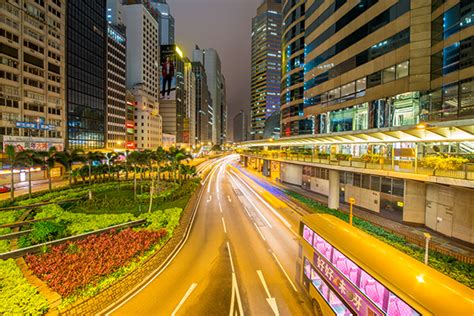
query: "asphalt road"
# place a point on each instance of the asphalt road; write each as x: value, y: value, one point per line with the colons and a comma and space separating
x: 239, y: 259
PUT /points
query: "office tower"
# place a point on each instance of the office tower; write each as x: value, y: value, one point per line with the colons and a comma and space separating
x: 272, y: 126
x: 189, y: 130
x: 32, y: 74
x: 240, y: 127
x: 293, y: 120
x: 116, y: 115
x: 209, y: 58
x: 143, y: 73
x: 165, y: 21
x: 201, y: 103
x: 266, y: 65
x: 86, y: 73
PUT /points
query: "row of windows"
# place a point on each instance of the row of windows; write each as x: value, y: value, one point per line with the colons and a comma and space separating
x: 389, y: 15
x: 452, y: 21
x: 377, y: 50
x: 8, y: 75
x: 459, y: 55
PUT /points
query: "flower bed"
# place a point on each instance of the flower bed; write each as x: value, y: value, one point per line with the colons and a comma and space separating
x: 69, y: 267
x: 459, y: 271
x: 17, y: 296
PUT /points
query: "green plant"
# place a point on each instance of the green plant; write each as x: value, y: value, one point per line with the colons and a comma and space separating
x: 373, y: 158
x: 17, y: 296
x: 444, y: 162
x: 344, y: 157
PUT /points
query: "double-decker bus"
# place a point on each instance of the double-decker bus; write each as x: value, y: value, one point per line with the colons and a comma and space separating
x: 346, y: 271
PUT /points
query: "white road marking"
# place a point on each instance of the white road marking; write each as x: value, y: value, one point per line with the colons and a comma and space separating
x: 235, y: 293
x: 230, y: 256
x: 210, y: 199
x: 220, y: 207
x: 250, y: 201
x: 228, y: 198
x: 223, y: 224
x: 270, y: 300
x: 185, y: 297
x: 284, y: 272
x: 260, y: 232
x: 247, y: 210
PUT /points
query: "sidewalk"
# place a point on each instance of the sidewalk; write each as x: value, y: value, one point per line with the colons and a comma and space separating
x: 412, y: 234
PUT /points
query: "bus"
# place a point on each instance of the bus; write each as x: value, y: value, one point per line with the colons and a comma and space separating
x: 346, y: 271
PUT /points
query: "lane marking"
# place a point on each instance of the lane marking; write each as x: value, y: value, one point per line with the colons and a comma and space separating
x: 223, y: 224
x: 284, y: 272
x: 220, y: 206
x: 230, y: 256
x: 185, y: 297
x: 210, y: 199
x: 251, y: 202
x: 247, y: 210
x: 228, y: 198
x: 260, y: 232
x: 235, y: 293
x: 270, y: 300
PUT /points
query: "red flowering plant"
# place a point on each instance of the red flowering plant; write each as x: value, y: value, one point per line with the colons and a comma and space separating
x: 68, y: 267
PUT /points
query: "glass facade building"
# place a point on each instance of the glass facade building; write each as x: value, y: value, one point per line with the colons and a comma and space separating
x: 266, y: 65
x: 293, y: 119
x: 86, y: 73
x: 374, y: 64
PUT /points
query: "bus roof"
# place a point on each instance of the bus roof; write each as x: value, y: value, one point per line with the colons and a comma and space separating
x: 411, y: 279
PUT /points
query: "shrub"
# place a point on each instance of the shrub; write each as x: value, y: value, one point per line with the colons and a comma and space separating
x: 444, y: 162
x: 17, y: 296
x: 67, y: 269
x: 372, y: 158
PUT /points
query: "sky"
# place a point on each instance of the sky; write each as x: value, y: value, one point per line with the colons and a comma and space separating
x: 226, y: 26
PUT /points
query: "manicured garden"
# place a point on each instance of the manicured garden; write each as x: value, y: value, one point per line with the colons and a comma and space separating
x: 153, y: 187
x: 459, y: 271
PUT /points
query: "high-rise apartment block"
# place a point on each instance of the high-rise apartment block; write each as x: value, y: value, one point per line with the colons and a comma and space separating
x: 266, y: 65
x: 143, y: 52
x: 86, y: 73
x: 33, y: 74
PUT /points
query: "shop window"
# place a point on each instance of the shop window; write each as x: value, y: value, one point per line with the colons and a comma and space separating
x: 361, y: 84
x: 402, y: 70
x: 375, y: 183
x: 348, y: 89
x: 386, y: 185
x: 388, y: 74
x: 398, y: 187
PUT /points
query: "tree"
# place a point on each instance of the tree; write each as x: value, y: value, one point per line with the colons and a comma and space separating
x: 133, y: 160
x: 29, y: 159
x: 160, y: 157
x: 110, y: 159
x: 12, y: 156
x: 175, y: 156
x: 91, y: 157
x: 49, y: 158
x: 187, y: 171
x: 67, y: 158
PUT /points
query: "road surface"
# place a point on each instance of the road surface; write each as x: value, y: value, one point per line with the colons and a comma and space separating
x: 239, y: 259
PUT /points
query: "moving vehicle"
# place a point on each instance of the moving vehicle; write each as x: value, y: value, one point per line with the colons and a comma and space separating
x: 4, y: 189
x: 346, y: 271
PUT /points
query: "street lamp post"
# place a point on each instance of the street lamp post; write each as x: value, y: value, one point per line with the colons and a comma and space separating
x: 351, y: 202
x: 427, y: 242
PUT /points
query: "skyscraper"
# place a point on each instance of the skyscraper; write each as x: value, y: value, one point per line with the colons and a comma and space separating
x: 266, y: 65
x: 240, y: 127
x: 165, y: 21
x: 202, y: 96
x: 86, y: 73
x: 32, y: 74
x: 116, y: 113
x: 293, y: 121
x: 216, y: 85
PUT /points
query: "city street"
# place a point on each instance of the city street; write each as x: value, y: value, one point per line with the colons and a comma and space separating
x: 240, y: 257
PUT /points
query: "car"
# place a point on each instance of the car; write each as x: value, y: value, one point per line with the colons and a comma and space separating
x: 4, y: 189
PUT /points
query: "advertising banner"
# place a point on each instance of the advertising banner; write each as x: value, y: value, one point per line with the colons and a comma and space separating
x: 168, y: 72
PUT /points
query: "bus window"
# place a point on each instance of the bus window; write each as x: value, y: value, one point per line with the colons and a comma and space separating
x: 308, y: 234
x: 307, y: 268
x: 337, y: 305
x: 322, y: 246
x: 397, y: 307
x: 346, y: 266
x: 374, y: 290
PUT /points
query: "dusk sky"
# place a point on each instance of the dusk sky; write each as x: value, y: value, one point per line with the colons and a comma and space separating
x: 226, y: 26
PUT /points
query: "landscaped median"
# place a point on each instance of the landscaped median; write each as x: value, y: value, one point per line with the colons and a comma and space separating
x: 83, y: 266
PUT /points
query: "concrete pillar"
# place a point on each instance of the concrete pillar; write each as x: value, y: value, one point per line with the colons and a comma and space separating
x: 333, y: 197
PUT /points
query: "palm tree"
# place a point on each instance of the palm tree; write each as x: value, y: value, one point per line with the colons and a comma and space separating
x: 90, y: 158
x: 12, y: 156
x: 187, y: 171
x: 49, y: 158
x: 67, y: 158
x: 29, y: 159
x: 160, y: 156
x: 110, y: 159
x: 176, y: 155
x: 133, y: 160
